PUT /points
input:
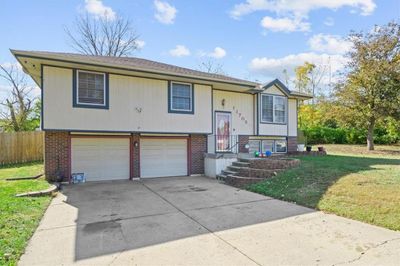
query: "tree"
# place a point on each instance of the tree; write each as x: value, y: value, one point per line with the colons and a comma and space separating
x: 17, y: 113
x: 103, y: 36
x: 212, y: 67
x: 309, y: 77
x: 371, y: 87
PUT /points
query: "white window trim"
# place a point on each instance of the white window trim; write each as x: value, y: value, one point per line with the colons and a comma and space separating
x: 273, y: 109
x: 191, y: 97
x: 77, y: 87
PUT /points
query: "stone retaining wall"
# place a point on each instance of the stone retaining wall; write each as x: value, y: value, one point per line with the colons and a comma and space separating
x: 270, y: 163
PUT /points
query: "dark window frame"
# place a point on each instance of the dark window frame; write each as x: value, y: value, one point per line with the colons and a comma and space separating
x: 273, y: 109
x: 178, y: 111
x: 75, y: 82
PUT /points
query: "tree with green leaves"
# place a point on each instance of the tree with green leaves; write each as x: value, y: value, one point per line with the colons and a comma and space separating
x: 370, y: 89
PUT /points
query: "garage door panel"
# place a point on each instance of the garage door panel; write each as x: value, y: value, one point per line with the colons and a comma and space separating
x: 101, y: 158
x: 163, y: 157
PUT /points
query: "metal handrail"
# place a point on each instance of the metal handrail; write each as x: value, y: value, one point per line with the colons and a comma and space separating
x: 232, y: 142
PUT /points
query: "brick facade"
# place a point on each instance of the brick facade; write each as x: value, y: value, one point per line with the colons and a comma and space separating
x: 292, y: 144
x: 243, y: 140
x: 56, y: 155
x: 198, y: 147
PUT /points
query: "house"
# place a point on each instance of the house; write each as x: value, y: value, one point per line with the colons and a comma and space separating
x: 119, y: 118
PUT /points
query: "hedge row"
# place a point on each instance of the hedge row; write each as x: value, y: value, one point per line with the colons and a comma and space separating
x: 328, y: 135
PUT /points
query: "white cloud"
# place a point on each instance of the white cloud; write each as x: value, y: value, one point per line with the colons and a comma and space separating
x: 293, y: 14
x: 165, y: 13
x: 332, y: 44
x: 99, y: 10
x: 300, y: 7
x: 284, y: 24
x: 273, y: 67
x: 140, y: 44
x: 179, y: 51
x: 218, y: 53
x: 329, y: 21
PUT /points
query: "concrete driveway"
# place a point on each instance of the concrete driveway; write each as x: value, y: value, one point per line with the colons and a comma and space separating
x: 197, y: 221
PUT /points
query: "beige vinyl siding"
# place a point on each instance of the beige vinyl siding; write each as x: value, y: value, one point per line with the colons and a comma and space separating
x: 135, y: 104
x: 274, y: 90
x: 273, y: 129
x: 241, y: 107
x: 292, y: 117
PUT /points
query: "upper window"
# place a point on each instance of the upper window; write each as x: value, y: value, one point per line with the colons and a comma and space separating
x: 90, y: 89
x: 273, y: 109
x: 181, y: 98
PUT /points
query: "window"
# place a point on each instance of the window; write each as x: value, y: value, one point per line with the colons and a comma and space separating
x: 272, y: 145
x: 254, y: 145
x: 267, y: 104
x: 280, y: 146
x: 273, y: 109
x: 181, y: 98
x: 268, y: 145
x: 90, y: 89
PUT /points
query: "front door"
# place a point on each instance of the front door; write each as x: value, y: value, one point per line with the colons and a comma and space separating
x: 223, y: 131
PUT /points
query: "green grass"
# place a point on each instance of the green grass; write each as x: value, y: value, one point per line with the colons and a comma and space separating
x: 349, y: 182
x: 19, y: 217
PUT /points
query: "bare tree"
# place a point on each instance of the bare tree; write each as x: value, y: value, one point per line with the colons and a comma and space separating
x: 211, y: 66
x: 19, y: 105
x: 103, y: 36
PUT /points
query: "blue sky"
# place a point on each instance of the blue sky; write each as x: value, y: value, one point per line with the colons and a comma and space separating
x: 253, y: 39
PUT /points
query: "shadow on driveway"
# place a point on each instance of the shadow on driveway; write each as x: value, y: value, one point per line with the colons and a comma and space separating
x: 118, y: 216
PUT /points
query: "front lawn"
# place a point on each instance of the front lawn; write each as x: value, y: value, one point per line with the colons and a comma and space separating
x: 350, y: 182
x: 19, y: 217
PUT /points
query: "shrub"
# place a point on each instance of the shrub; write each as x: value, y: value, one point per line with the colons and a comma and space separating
x: 328, y: 135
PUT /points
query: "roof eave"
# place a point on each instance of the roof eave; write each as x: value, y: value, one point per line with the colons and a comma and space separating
x: 20, y: 53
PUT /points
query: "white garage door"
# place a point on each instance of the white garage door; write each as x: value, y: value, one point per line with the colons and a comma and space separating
x: 163, y: 157
x: 100, y: 158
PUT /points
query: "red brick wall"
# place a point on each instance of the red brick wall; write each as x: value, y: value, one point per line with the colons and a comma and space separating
x: 292, y: 144
x: 136, y: 153
x: 198, y: 146
x: 56, y: 154
x: 243, y: 140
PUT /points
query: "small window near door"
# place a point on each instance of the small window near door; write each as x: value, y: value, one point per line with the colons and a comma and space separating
x: 254, y: 146
x: 90, y: 89
x: 181, y: 98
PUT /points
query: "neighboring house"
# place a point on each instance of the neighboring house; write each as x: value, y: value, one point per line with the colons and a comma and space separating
x: 120, y: 118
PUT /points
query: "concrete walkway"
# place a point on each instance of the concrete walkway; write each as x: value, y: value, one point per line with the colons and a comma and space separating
x: 197, y: 221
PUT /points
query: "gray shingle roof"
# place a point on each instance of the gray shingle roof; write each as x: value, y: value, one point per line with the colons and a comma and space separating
x: 134, y: 63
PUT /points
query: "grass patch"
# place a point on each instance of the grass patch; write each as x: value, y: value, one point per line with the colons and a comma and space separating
x: 19, y: 216
x: 350, y: 182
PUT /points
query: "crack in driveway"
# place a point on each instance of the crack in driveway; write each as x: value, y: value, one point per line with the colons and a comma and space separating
x: 368, y: 249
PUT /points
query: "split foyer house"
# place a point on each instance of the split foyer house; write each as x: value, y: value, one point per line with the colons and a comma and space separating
x: 120, y: 118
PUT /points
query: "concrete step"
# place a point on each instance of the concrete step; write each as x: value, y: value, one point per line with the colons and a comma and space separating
x: 221, y: 177
x: 235, y: 168
x: 241, y: 164
x: 229, y: 172
x: 243, y: 160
